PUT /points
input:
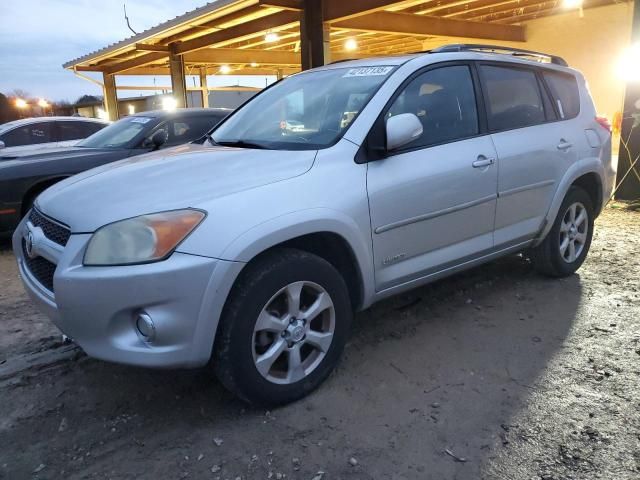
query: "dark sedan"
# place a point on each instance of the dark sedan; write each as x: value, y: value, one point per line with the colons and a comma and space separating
x: 23, y: 177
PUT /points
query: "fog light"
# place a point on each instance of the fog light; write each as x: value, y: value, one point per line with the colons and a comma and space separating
x: 145, y: 326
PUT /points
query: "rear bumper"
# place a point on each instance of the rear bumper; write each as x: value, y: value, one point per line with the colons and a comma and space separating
x: 98, y: 306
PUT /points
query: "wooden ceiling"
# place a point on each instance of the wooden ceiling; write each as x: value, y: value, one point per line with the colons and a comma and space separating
x: 234, y: 32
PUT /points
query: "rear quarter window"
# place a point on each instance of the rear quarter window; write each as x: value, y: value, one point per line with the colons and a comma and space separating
x: 514, y: 99
x: 566, y: 95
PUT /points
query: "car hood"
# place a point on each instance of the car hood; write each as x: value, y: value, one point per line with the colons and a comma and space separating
x: 53, y: 154
x: 181, y: 177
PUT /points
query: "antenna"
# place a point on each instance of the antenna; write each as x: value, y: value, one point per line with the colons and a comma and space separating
x: 124, y: 5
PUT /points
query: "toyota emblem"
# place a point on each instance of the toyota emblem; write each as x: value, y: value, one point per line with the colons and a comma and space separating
x: 28, y: 245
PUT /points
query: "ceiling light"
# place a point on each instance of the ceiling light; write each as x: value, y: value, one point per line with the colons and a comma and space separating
x: 224, y: 69
x: 271, y: 37
x: 571, y: 4
x: 351, y: 44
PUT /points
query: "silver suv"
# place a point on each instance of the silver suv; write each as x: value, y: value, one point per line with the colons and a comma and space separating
x: 330, y: 190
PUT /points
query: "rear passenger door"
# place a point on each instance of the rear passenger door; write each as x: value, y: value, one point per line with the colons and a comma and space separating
x: 533, y: 149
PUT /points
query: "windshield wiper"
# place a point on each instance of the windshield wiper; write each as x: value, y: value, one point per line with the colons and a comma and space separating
x: 241, y: 144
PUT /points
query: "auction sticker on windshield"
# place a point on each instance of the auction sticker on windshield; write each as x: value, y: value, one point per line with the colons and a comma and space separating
x: 367, y: 71
x: 140, y: 119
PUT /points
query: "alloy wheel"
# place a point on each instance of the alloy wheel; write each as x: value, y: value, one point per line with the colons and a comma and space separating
x: 573, y: 232
x: 293, y: 332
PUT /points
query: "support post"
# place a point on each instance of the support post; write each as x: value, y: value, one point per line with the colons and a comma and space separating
x: 110, y: 96
x: 628, y: 177
x: 314, y: 35
x: 203, y: 87
x: 178, y: 79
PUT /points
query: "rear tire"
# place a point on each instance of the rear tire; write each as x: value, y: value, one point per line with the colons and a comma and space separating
x: 566, y: 245
x: 283, y: 327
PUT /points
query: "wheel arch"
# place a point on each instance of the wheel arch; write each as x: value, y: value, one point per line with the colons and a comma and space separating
x: 335, y: 238
x: 587, y: 174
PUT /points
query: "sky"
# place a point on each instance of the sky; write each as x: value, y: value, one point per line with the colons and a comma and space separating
x: 38, y: 36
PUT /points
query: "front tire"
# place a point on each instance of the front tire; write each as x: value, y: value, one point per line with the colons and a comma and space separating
x: 283, y: 327
x: 566, y: 245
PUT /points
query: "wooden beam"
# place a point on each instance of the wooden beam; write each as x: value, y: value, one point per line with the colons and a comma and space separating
x: 533, y: 12
x: 151, y: 48
x: 233, y: 55
x: 215, y: 23
x: 134, y: 62
x: 295, y: 5
x: 110, y: 96
x: 338, y: 10
x: 178, y: 78
x: 250, y: 28
x: 403, y: 23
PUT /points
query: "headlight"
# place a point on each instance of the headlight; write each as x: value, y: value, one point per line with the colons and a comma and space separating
x: 144, y: 239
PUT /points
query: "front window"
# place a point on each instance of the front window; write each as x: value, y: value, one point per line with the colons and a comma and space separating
x: 119, y: 134
x: 303, y: 112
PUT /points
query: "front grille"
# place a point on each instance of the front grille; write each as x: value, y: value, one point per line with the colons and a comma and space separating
x: 41, y: 268
x: 55, y: 232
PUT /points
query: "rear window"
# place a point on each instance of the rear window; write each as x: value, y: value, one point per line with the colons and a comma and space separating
x: 564, y: 89
x: 514, y: 98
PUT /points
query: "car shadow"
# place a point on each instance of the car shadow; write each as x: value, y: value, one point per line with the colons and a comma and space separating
x: 433, y: 374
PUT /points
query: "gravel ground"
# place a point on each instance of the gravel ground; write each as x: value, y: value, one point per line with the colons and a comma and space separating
x: 496, y: 373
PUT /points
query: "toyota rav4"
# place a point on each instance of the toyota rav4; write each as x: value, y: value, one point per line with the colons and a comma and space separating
x: 330, y: 190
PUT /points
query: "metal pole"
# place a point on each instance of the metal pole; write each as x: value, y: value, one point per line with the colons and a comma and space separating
x: 628, y: 177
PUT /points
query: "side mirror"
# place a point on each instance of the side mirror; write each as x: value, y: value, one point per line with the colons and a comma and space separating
x: 2, y: 145
x: 158, y: 139
x: 402, y: 129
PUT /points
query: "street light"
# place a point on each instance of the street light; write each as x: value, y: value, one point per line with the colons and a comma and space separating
x: 169, y: 103
x: 43, y: 103
x: 20, y: 103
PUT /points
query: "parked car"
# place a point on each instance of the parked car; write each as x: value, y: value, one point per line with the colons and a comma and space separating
x: 31, y: 134
x: 254, y: 249
x: 23, y: 177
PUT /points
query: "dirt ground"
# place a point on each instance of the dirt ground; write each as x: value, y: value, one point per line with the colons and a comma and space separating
x: 496, y: 373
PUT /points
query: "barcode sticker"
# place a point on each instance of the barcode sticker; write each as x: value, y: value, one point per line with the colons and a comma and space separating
x: 367, y: 71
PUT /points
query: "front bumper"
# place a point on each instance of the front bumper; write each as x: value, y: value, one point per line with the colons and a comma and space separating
x: 98, y: 306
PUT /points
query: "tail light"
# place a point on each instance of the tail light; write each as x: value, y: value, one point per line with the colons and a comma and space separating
x: 604, y: 122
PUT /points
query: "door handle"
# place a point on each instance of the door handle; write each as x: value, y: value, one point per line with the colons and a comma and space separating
x: 564, y: 145
x: 483, y: 161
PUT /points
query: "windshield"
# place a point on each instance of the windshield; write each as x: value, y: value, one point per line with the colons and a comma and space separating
x: 118, y: 134
x: 307, y: 111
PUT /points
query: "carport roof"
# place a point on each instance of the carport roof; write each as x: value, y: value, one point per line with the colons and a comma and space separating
x: 233, y: 32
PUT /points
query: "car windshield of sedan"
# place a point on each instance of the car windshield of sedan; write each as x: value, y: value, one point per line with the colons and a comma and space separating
x: 118, y: 134
x: 307, y: 111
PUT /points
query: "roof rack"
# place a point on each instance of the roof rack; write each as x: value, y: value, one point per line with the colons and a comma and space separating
x: 516, y: 52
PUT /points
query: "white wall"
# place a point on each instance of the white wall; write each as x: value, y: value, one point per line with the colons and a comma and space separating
x: 591, y: 44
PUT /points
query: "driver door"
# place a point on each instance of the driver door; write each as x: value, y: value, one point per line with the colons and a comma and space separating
x: 432, y: 202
